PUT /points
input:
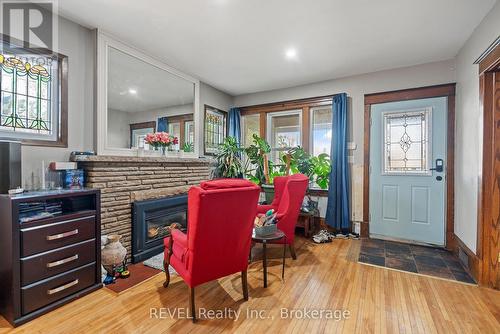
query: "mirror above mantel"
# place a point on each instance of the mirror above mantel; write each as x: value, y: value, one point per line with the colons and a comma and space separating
x: 138, y: 95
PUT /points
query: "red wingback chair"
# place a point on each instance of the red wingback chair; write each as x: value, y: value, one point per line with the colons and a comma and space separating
x: 289, y: 194
x: 220, y: 222
x: 279, y: 187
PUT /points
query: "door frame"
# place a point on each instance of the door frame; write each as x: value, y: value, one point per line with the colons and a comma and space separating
x: 487, y: 224
x: 444, y: 90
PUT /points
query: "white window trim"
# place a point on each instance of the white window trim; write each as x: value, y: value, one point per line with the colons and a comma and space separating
x: 292, y: 112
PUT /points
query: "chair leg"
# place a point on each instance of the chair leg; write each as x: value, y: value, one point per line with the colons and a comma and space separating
x: 292, y: 251
x: 244, y: 284
x: 191, y: 304
x: 166, y: 263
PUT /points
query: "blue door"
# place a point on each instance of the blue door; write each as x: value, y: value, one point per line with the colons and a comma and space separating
x: 408, y: 170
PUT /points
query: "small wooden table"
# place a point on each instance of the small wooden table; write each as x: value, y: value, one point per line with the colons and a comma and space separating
x: 278, y: 235
x: 307, y: 221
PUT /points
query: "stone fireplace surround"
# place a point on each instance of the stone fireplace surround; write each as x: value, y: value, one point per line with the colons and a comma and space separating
x: 123, y: 180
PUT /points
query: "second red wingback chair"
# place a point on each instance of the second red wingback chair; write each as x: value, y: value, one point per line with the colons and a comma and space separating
x: 289, y: 192
x: 220, y: 222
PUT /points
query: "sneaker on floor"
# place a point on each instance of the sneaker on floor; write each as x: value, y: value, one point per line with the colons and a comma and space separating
x: 353, y: 236
x: 340, y: 236
x: 322, y: 237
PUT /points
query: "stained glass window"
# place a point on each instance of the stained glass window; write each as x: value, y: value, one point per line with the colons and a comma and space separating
x: 27, y: 95
x: 406, y: 142
x: 215, y: 129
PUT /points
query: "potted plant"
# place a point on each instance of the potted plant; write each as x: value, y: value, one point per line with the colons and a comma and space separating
x: 228, y: 159
x: 161, y: 140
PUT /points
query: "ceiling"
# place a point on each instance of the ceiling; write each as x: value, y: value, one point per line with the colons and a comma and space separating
x: 239, y: 46
x: 136, y: 86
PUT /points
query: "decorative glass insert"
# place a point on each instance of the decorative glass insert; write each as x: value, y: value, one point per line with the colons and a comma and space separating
x: 26, y: 94
x: 406, y: 142
x: 321, y: 134
x: 215, y: 129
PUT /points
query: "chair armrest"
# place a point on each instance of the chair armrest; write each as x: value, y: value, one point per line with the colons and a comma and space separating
x: 179, y: 237
x: 264, y: 208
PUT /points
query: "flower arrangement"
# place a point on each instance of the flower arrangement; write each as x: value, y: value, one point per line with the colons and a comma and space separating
x: 161, y: 140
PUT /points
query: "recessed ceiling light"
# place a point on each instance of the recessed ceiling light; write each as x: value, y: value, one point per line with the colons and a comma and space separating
x: 132, y: 91
x: 291, y: 53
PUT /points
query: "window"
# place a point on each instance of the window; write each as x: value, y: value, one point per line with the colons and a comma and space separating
x: 189, y: 132
x: 174, y: 129
x: 215, y: 129
x: 250, y: 125
x: 31, y: 97
x: 406, y: 142
x: 321, y: 133
x: 283, y: 131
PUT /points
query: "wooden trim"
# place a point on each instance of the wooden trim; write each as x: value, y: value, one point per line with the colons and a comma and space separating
x: 411, y: 94
x: 287, y: 105
x: 62, y: 136
x: 488, y: 228
x: 204, y: 122
x: 263, y: 124
x: 306, y: 126
x: 447, y: 90
x: 143, y: 125
x: 473, y: 261
x: 490, y: 61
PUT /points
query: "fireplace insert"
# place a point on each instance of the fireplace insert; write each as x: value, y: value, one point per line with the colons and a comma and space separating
x: 151, y: 222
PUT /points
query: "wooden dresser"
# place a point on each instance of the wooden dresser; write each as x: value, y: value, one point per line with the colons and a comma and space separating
x: 49, y: 251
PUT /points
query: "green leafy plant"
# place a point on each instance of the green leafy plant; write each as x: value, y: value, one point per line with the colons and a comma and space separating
x: 254, y: 169
x: 188, y: 147
x: 228, y: 157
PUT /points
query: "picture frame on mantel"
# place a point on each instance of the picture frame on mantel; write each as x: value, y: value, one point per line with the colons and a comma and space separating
x: 104, y: 42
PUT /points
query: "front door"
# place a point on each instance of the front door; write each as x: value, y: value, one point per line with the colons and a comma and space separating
x: 408, y: 170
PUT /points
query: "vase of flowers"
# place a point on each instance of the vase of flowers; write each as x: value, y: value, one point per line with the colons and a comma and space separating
x: 161, y: 140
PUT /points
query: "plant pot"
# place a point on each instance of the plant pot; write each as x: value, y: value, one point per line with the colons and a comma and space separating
x: 113, y: 253
x: 268, y: 192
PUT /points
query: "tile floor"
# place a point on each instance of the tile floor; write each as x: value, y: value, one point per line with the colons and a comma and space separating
x: 412, y: 258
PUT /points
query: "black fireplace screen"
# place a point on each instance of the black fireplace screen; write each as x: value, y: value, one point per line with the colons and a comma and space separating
x: 151, y: 223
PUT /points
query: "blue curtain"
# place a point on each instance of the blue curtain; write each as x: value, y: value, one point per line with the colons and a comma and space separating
x: 234, y: 119
x: 162, y: 124
x: 337, y: 210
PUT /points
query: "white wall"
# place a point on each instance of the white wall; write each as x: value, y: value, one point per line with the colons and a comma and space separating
x: 76, y: 42
x: 469, y: 134
x: 356, y: 87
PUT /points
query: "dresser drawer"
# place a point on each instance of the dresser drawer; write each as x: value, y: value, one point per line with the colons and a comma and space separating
x: 37, y: 267
x: 50, y: 290
x: 51, y: 236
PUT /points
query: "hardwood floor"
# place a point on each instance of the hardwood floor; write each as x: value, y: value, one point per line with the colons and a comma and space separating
x: 323, y: 277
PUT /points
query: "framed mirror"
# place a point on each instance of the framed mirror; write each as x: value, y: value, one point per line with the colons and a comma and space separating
x: 138, y: 95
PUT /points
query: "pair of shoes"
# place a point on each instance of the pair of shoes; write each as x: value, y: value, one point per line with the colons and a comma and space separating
x: 322, y: 237
x: 353, y: 236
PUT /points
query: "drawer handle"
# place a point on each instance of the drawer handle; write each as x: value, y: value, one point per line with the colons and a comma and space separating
x: 63, y: 261
x: 62, y: 235
x: 62, y: 287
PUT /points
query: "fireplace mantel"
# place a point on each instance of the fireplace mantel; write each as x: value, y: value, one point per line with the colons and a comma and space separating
x: 146, y: 159
x: 126, y: 179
